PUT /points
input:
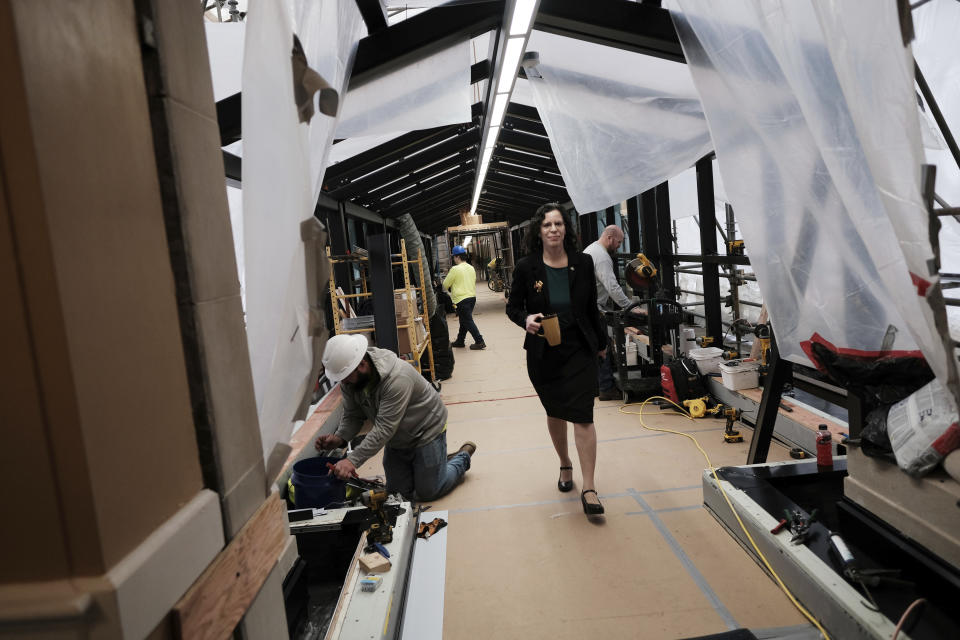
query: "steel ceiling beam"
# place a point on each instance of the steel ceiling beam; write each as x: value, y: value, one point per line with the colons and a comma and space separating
x: 416, y: 177
x: 420, y: 36
x: 395, y: 206
x: 374, y: 15
x: 534, y: 189
x: 416, y: 158
x: 438, y: 197
x: 373, y: 159
x: 526, y: 159
x: 632, y: 26
x: 525, y: 142
x: 534, y: 127
x: 552, y: 179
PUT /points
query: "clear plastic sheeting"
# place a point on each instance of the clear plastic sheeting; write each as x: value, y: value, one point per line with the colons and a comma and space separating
x: 818, y: 140
x: 225, y: 50
x: 619, y: 122
x: 937, y: 24
x: 431, y: 92
x: 283, y: 163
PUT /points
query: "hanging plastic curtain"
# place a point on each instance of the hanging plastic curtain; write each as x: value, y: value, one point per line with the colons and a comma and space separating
x: 431, y: 92
x: 937, y: 25
x: 619, y: 122
x: 815, y: 124
x: 287, y: 85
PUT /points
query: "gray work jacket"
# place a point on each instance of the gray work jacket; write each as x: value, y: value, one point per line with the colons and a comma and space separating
x: 406, y: 411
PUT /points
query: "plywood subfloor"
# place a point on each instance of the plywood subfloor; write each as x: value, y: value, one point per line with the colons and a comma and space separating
x: 524, y: 562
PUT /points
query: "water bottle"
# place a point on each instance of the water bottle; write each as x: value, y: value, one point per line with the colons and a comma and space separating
x: 824, y: 449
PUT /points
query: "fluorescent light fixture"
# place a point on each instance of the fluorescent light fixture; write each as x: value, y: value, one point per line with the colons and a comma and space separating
x: 492, y: 136
x: 485, y: 158
x: 511, y: 60
x: 522, y: 17
x: 499, y: 107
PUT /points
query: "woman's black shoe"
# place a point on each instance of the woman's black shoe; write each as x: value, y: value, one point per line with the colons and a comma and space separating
x: 590, y: 508
x: 565, y: 486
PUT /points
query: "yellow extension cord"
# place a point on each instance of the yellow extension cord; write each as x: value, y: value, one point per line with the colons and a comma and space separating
x: 713, y: 470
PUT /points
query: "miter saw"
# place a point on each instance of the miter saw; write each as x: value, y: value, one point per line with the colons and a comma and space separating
x: 640, y: 273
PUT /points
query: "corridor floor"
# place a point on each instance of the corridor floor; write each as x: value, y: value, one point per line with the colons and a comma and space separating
x: 522, y: 559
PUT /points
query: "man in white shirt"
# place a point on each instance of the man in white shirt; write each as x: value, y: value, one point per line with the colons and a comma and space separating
x: 608, y: 289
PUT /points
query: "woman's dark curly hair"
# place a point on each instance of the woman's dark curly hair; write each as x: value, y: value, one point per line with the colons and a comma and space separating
x: 535, y: 243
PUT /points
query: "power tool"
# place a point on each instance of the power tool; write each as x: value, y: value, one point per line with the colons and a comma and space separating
x: 705, y: 341
x: 640, y: 272
x: 732, y: 414
x: 380, y: 529
x: 696, y: 407
x: 735, y: 248
x: 730, y: 355
x: 763, y: 333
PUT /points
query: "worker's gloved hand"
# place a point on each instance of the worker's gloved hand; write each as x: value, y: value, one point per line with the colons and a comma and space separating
x: 533, y: 322
x: 328, y: 442
x: 343, y: 469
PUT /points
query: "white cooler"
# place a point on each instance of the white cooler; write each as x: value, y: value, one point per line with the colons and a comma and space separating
x: 740, y: 374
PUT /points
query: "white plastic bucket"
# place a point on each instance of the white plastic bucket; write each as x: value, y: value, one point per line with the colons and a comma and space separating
x: 740, y: 374
x: 707, y: 358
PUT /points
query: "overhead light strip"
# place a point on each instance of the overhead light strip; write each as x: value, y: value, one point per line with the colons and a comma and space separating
x: 519, y: 17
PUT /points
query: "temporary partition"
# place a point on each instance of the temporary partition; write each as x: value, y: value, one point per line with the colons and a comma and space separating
x: 285, y: 151
x: 431, y: 92
x: 815, y: 124
x: 619, y: 122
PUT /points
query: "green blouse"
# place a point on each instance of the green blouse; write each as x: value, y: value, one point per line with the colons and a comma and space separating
x: 558, y: 285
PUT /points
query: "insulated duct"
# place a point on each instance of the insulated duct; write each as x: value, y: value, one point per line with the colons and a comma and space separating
x: 410, y: 234
x: 439, y: 334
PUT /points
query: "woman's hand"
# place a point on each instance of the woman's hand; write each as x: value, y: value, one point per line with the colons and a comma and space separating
x: 533, y: 322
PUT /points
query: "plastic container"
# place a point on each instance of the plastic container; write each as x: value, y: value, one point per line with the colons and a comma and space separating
x: 631, y: 348
x: 312, y: 487
x: 824, y: 448
x: 707, y: 359
x: 740, y: 374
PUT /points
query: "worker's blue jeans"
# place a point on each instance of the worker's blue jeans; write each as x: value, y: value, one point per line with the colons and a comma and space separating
x: 465, y: 313
x: 424, y: 473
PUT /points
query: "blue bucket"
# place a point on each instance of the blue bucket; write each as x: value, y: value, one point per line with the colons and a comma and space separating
x: 312, y: 487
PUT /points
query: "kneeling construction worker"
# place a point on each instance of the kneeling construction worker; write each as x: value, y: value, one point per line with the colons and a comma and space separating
x: 408, y: 415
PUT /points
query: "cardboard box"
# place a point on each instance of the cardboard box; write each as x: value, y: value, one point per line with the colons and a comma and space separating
x: 400, y: 306
x: 403, y: 336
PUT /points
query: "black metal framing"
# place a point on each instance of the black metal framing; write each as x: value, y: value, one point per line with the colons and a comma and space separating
x: 381, y: 279
x: 632, y: 26
x: 708, y: 247
x: 422, y: 35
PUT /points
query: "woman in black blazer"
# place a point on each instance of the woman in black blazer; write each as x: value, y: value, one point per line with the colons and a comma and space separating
x: 557, y: 278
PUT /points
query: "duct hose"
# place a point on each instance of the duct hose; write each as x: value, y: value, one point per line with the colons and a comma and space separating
x: 443, y: 358
x: 410, y: 235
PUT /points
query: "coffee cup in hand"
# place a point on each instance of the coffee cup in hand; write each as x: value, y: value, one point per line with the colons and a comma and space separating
x: 550, y: 328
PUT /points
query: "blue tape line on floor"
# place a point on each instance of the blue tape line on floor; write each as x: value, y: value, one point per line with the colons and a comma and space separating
x: 687, y: 563
x: 604, y: 496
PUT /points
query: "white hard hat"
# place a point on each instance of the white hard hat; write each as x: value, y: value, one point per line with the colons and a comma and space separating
x: 342, y: 355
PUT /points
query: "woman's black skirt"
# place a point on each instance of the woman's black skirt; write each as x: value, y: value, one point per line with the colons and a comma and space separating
x: 565, y: 377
